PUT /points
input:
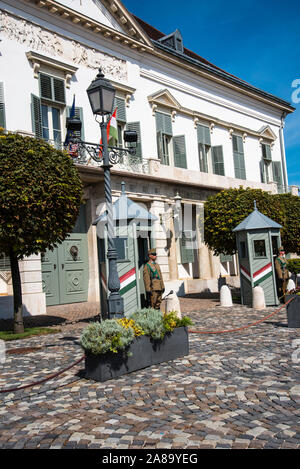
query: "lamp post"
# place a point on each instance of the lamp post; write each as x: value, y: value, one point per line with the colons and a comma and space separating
x: 101, y: 96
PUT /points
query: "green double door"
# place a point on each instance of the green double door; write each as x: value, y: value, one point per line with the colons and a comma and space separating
x: 65, y: 271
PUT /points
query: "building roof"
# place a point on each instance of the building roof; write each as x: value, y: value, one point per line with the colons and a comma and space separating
x: 257, y: 221
x: 195, y: 59
x: 125, y: 209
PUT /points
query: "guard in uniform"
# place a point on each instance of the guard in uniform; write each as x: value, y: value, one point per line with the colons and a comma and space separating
x: 282, y: 272
x: 154, y: 284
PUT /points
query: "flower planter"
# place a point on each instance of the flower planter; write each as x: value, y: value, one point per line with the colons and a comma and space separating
x: 143, y: 352
x: 293, y: 311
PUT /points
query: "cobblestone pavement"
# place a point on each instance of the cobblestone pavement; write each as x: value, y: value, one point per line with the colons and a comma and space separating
x: 234, y: 390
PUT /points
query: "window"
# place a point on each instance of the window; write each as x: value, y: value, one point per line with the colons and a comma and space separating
x: 121, y: 245
x: 47, y: 109
x: 259, y: 248
x: 238, y: 157
x: 164, y: 136
x: 52, y: 89
x: 168, y: 153
x: 218, y: 160
x: 119, y: 103
x: 187, y: 247
x: 265, y: 163
x: 266, y: 152
x: 51, y: 127
x: 204, y: 145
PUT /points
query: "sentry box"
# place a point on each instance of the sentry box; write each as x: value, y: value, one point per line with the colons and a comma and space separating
x: 258, y: 240
x: 133, y: 237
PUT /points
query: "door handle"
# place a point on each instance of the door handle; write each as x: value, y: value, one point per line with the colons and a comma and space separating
x: 54, y: 266
x: 63, y: 266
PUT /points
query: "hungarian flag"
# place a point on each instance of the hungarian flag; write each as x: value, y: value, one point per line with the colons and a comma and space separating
x: 112, y: 132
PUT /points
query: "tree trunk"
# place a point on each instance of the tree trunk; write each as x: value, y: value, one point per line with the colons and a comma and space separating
x: 17, y: 289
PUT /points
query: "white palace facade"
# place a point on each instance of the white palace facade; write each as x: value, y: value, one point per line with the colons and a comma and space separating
x: 200, y: 130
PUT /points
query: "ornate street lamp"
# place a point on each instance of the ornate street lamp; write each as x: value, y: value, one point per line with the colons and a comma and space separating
x: 101, y: 95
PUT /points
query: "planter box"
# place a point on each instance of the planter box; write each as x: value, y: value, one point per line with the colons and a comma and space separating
x: 143, y: 351
x: 293, y: 311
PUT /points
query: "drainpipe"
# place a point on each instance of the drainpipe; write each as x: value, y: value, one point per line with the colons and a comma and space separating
x: 282, y: 150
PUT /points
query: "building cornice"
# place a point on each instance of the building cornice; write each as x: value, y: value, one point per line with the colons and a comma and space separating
x: 38, y: 59
x: 137, y: 40
x: 165, y: 99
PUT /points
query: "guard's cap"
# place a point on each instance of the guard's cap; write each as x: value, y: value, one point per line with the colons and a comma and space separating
x: 152, y: 251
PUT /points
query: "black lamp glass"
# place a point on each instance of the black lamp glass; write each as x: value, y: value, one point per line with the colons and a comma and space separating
x: 101, y: 94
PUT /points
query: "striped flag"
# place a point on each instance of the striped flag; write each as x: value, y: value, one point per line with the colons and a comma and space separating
x: 112, y: 132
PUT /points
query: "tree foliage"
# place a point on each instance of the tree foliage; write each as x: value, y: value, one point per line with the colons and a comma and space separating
x: 225, y: 210
x: 290, y: 233
x: 40, y: 195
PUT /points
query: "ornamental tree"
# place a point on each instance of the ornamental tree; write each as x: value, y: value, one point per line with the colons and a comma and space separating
x: 290, y: 233
x: 40, y: 196
x: 225, y: 210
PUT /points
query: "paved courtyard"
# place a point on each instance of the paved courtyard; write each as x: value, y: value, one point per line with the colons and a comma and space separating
x: 234, y: 390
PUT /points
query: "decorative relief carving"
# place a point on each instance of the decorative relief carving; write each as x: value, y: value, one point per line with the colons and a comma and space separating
x: 42, y: 40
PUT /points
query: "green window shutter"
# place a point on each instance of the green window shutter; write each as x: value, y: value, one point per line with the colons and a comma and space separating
x: 52, y: 89
x: 136, y: 126
x: 186, y: 247
x: 59, y: 91
x: 2, y: 107
x: 203, y: 135
x: 78, y: 113
x: 262, y: 172
x: 159, y: 144
x: 238, y: 157
x: 119, y: 103
x: 179, y: 152
x: 164, y: 123
x: 266, y: 152
x: 218, y: 160
x: 45, y: 87
x: 36, y: 115
x: 277, y: 175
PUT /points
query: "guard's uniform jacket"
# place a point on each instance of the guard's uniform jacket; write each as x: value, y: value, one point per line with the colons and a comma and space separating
x: 154, y: 283
x: 282, y: 274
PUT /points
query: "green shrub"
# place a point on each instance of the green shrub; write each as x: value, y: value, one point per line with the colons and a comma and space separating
x: 294, y: 266
x: 106, y: 336
x: 150, y: 321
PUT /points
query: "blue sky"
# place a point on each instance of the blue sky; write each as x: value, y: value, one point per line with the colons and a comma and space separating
x: 257, y: 41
